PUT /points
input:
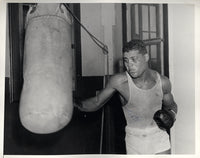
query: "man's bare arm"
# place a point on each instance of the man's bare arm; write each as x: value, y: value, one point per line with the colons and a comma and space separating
x: 96, y: 102
x: 168, y: 101
x: 166, y: 117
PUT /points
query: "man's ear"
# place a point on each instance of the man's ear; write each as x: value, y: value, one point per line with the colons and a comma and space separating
x: 146, y: 56
x: 126, y: 67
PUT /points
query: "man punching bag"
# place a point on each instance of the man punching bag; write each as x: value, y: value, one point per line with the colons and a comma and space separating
x: 46, y: 99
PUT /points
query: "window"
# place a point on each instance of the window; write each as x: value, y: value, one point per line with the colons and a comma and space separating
x: 146, y: 23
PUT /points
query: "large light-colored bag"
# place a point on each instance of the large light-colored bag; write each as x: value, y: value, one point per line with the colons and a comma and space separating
x: 46, y: 99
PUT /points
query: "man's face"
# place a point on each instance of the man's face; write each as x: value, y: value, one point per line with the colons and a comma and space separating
x: 135, y: 62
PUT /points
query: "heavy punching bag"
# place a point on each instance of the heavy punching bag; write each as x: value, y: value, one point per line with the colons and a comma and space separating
x: 46, y: 99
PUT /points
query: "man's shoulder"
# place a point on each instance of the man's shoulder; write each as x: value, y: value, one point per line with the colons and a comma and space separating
x: 166, y: 84
x: 163, y: 78
x: 118, y: 79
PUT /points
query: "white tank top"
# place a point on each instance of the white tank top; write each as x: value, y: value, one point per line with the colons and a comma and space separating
x: 142, y: 104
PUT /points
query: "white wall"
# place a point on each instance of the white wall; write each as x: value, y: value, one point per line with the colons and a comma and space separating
x: 182, y: 75
x: 92, y: 56
x: 104, y: 21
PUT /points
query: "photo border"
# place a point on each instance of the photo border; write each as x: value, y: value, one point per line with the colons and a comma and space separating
x: 3, y: 10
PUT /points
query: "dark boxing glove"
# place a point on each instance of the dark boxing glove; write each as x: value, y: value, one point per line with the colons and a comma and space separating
x: 164, y: 119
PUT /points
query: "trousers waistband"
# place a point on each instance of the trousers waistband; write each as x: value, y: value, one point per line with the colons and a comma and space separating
x: 142, y: 131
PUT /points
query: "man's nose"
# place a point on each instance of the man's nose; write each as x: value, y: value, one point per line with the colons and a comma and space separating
x: 130, y: 64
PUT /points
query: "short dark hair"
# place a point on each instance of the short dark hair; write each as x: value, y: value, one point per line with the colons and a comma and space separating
x: 135, y: 44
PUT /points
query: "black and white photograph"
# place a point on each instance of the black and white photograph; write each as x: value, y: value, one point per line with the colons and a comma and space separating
x: 99, y: 78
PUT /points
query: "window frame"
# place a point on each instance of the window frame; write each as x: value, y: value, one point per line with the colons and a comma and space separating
x: 162, y: 34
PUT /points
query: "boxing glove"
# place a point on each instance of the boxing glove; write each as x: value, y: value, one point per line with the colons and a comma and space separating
x: 164, y: 119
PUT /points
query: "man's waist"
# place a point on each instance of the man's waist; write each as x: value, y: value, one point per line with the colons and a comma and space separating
x: 146, y: 130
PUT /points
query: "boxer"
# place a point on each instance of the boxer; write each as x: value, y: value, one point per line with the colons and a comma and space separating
x: 148, y: 103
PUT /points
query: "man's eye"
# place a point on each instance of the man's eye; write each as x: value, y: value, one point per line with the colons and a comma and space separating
x: 134, y: 59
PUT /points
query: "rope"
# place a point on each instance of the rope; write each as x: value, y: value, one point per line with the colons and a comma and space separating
x: 96, y: 41
x: 105, y: 51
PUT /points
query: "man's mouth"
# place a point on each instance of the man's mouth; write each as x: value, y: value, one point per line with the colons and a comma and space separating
x: 133, y: 72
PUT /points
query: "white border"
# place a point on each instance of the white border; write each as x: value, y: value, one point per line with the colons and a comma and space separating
x: 197, y: 75
x: 197, y: 71
x: 2, y: 69
x: 106, y: 1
